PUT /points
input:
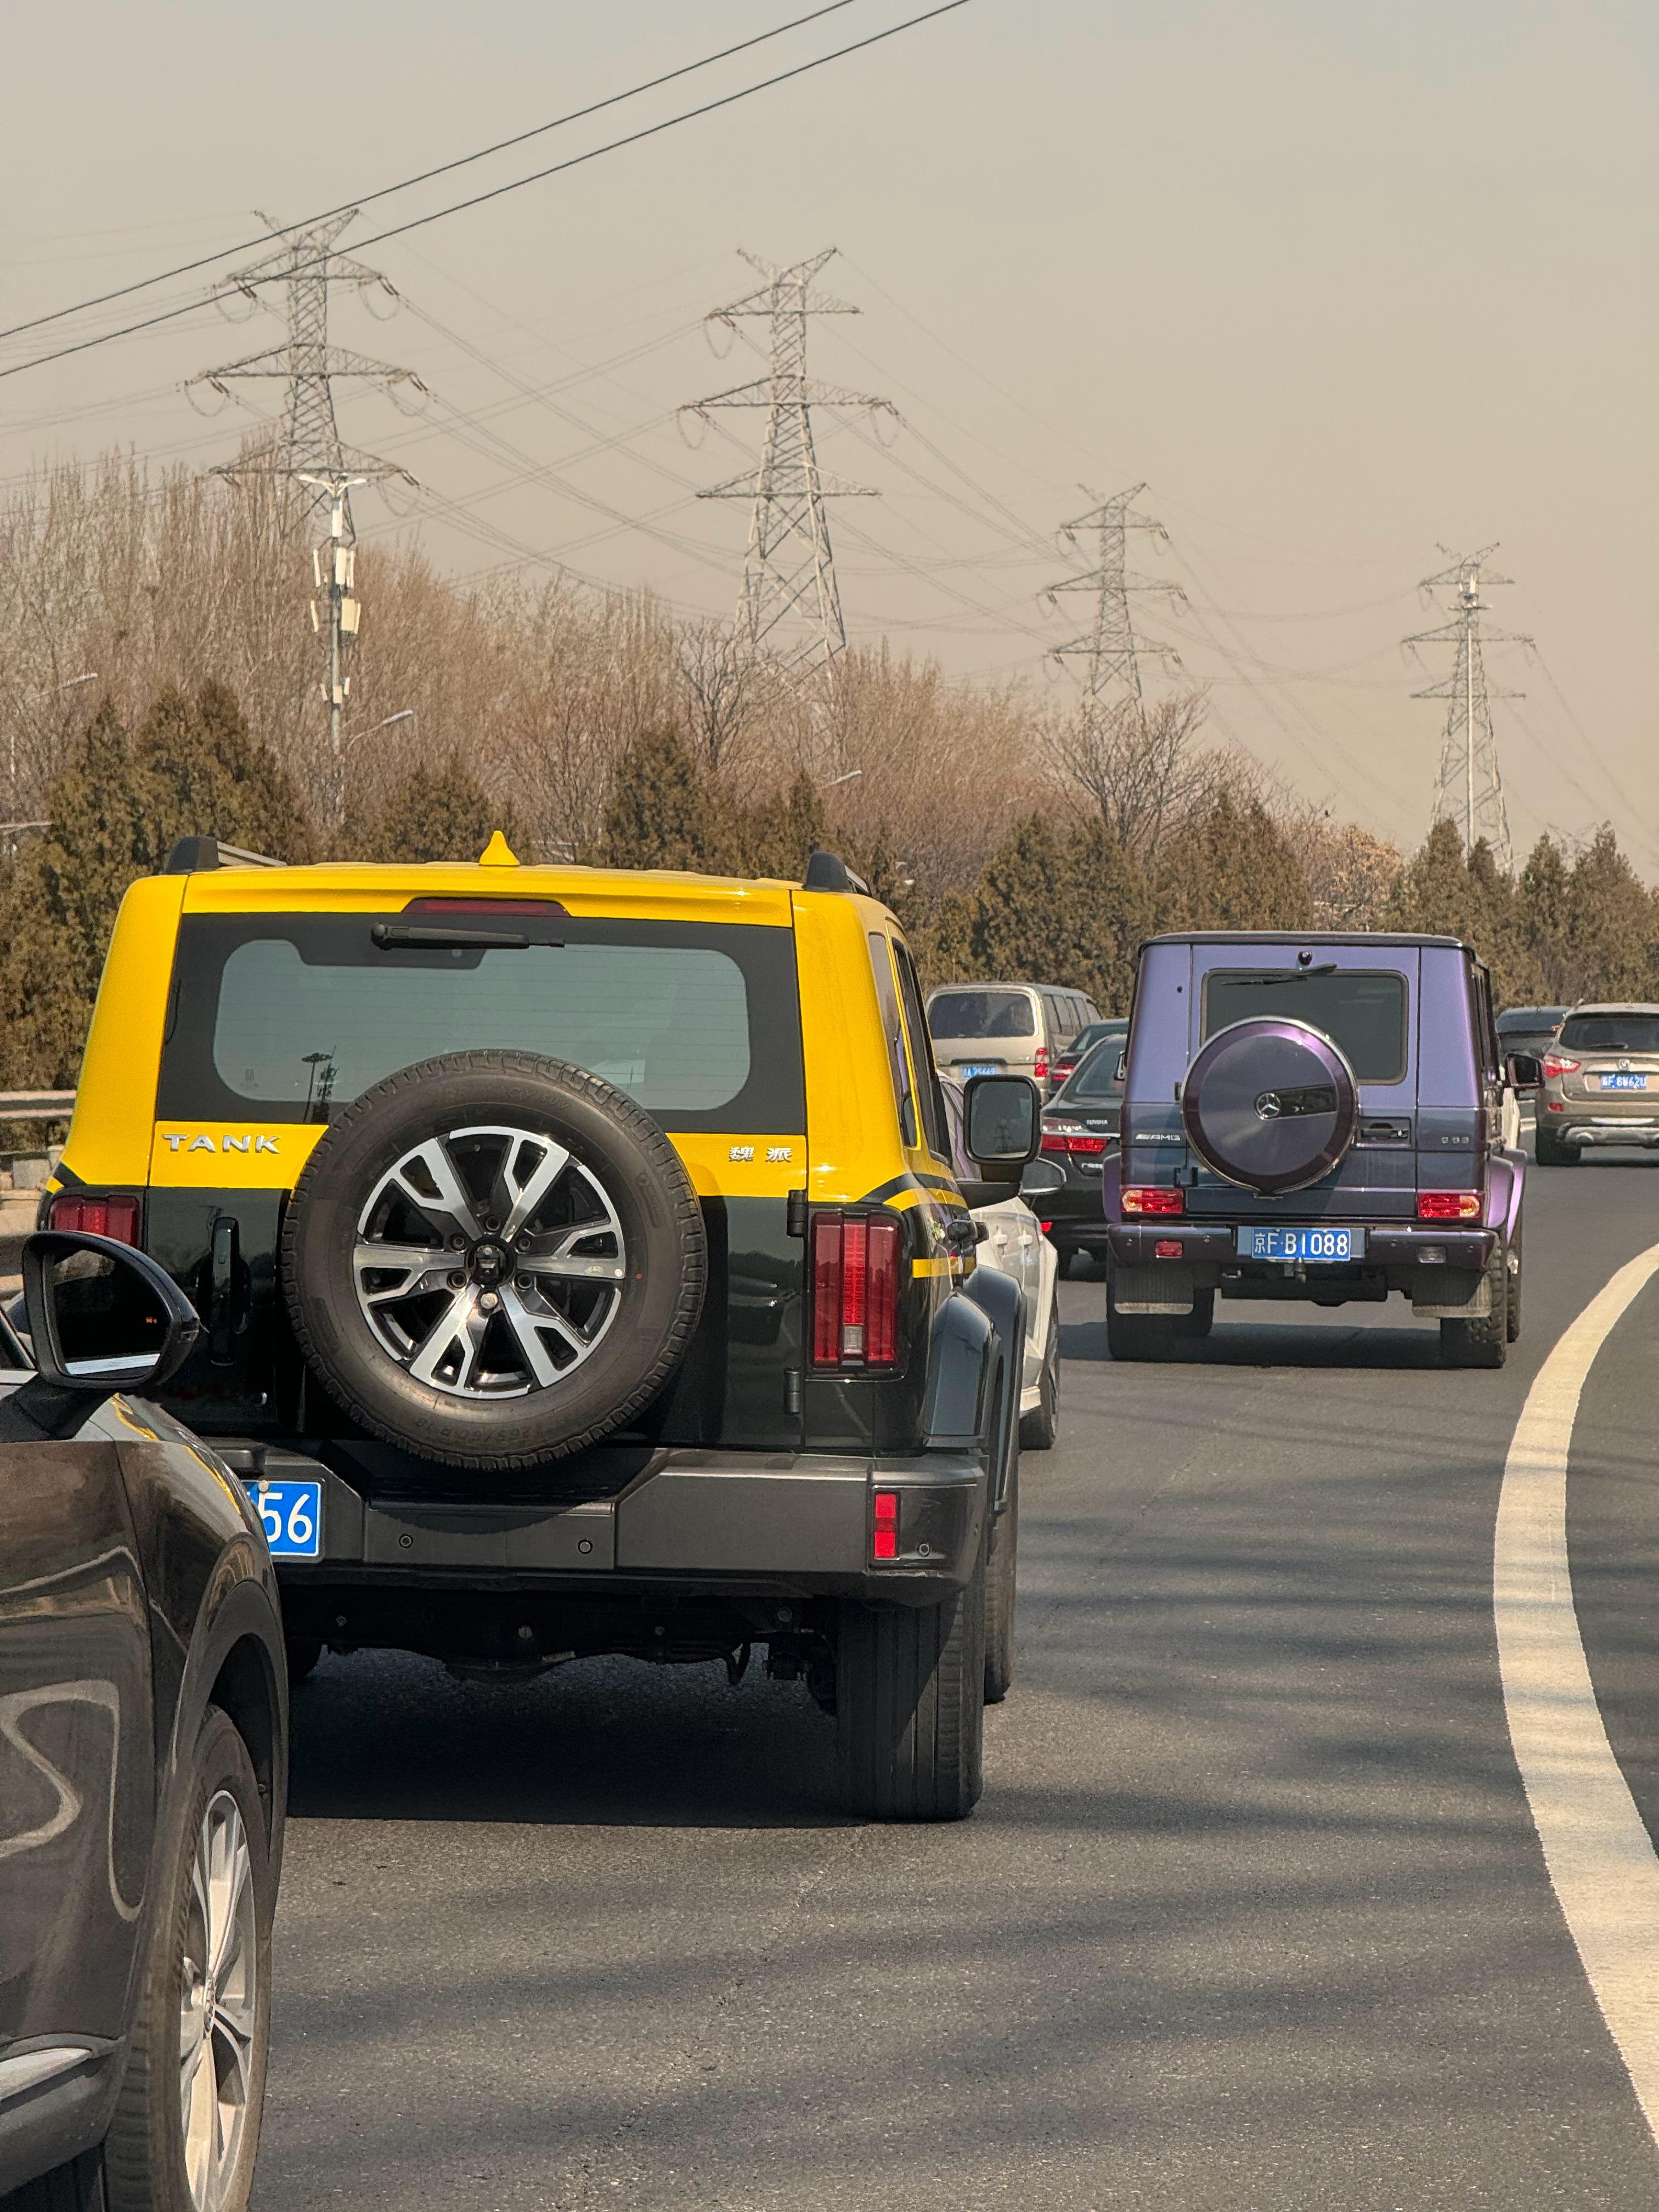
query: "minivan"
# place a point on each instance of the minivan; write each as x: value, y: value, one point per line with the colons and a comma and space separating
x: 1005, y: 1029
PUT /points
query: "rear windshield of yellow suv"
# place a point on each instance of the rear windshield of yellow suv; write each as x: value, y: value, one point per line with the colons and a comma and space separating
x: 290, y: 1016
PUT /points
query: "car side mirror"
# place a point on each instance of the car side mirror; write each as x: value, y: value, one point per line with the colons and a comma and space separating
x: 102, y: 1317
x: 1524, y: 1071
x: 1002, y: 1123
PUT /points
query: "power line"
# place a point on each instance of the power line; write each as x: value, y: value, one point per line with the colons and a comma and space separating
x: 558, y: 168
x: 425, y: 176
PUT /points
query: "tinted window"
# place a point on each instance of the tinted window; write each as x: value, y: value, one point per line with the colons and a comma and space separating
x: 1611, y: 1033
x: 289, y: 1017
x: 1096, y: 1075
x: 921, y: 1057
x: 1529, y: 1021
x: 1362, y: 1009
x: 892, y: 1030
x: 981, y: 1014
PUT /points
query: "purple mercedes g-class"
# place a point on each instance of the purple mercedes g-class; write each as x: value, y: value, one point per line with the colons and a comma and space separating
x: 1316, y: 1118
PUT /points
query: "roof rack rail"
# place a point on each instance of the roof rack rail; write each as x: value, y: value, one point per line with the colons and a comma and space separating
x: 827, y: 872
x: 193, y: 856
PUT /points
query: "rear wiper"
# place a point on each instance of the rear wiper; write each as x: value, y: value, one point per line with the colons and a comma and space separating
x: 1286, y: 975
x: 389, y: 935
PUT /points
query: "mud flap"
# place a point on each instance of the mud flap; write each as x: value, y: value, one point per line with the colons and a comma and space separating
x: 1451, y: 1294
x: 1164, y: 1287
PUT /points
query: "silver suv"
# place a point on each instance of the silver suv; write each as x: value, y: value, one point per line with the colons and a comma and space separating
x: 1600, y: 1083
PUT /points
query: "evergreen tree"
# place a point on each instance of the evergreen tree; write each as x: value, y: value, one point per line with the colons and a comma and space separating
x: 1611, y: 925
x: 203, y: 775
x: 439, y: 813
x: 771, y: 837
x: 1116, y: 911
x: 1027, y: 923
x: 1544, y: 905
x: 659, y: 815
x: 1233, y: 869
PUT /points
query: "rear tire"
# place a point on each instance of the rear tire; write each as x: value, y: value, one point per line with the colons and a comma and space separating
x: 303, y: 1653
x: 1001, y: 1568
x: 1481, y: 1343
x: 1512, y: 1323
x: 1201, y: 1320
x: 910, y: 1706
x: 145, y: 2155
x: 1039, y: 1428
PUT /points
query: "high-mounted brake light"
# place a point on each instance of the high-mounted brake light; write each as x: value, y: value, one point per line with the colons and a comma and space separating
x: 855, y: 1267
x: 1448, y: 1204
x: 96, y: 1217
x: 1153, y: 1198
x: 537, y: 908
x: 1556, y: 1063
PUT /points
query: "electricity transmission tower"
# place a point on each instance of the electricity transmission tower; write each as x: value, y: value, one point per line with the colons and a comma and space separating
x: 306, y: 458
x: 1469, y: 789
x: 307, y: 448
x: 1109, y: 648
x: 790, y: 600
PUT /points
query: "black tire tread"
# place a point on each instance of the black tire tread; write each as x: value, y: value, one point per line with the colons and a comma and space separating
x: 139, y: 2174
x: 687, y: 1215
x: 1001, y: 1579
x: 910, y: 1706
x: 1483, y: 1342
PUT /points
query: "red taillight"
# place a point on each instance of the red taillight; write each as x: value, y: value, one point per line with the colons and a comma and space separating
x: 884, y: 1538
x: 1153, y: 1198
x: 96, y: 1217
x: 1168, y: 1248
x: 1554, y: 1064
x: 1448, y: 1204
x: 855, y: 1267
x: 1040, y: 1066
x: 1045, y: 1227
x: 1067, y: 1140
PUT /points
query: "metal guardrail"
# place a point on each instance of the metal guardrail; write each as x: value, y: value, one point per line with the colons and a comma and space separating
x: 36, y: 1105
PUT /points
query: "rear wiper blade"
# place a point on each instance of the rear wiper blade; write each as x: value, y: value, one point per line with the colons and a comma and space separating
x: 427, y: 936
x: 1286, y: 975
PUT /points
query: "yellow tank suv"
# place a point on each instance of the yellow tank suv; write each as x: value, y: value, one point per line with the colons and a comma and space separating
x: 582, y: 1270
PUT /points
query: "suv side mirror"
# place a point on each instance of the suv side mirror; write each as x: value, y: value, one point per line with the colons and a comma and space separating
x: 102, y: 1317
x: 1002, y: 1123
x: 1524, y: 1071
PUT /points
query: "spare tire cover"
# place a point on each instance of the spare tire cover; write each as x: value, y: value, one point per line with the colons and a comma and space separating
x: 1271, y: 1104
x: 494, y: 1258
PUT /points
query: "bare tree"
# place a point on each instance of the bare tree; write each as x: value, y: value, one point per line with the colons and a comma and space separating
x: 717, y: 682
x: 1144, y: 768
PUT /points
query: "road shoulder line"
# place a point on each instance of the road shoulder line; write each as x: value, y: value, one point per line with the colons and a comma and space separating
x: 1601, y: 1862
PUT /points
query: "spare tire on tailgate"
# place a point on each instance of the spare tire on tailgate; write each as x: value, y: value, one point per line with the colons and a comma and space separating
x: 1272, y: 1104
x: 493, y: 1259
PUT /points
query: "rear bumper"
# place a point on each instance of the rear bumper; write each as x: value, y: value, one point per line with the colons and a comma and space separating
x: 1441, y: 1268
x: 698, y: 1523
x: 1580, y: 1126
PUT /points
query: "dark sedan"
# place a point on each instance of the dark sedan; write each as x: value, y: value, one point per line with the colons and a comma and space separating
x: 1080, y: 1128
x: 1067, y: 1063
x: 143, y: 1755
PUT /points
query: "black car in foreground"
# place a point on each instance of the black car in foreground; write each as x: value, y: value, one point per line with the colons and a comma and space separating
x: 1079, y: 1128
x: 143, y: 1757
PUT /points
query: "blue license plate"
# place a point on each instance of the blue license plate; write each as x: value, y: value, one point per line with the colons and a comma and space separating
x: 293, y: 1516
x: 982, y: 1067
x: 1624, y: 1083
x: 1337, y: 1244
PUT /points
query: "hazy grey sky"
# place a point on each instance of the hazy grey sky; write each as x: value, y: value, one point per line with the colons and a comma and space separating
x: 1338, y: 282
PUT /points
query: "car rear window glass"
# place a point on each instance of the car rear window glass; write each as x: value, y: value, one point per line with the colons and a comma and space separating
x: 1611, y: 1033
x: 981, y: 1014
x: 1361, y: 1009
x: 1097, y: 1074
x: 289, y: 1017
x: 892, y: 1030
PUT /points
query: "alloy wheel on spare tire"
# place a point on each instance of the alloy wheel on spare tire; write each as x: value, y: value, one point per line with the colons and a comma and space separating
x: 1271, y: 1104
x: 494, y: 1258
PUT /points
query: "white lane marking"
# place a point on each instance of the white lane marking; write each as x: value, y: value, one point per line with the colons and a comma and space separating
x: 1599, y: 1857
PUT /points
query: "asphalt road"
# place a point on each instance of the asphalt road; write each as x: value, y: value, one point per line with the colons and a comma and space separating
x: 1252, y: 1914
